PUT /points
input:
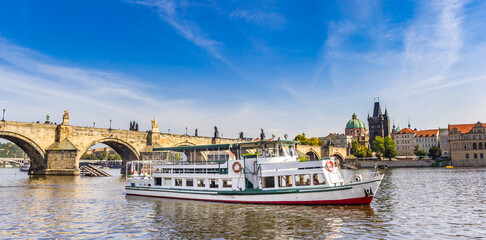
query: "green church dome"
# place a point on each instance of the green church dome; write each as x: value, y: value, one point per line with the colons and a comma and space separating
x: 355, y: 123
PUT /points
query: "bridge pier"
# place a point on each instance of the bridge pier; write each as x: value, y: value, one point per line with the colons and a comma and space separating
x: 60, y: 159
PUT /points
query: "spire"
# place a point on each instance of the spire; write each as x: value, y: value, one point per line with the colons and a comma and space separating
x: 377, y: 110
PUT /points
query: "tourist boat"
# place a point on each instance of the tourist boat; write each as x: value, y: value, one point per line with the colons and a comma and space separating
x: 259, y: 172
x: 24, y: 167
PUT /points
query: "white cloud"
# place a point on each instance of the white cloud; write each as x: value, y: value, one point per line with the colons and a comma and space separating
x: 168, y: 11
x: 268, y: 19
x: 33, y: 85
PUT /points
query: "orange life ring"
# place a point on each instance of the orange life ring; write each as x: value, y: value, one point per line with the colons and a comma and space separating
x: 330, y: 166
x: 236, y: 169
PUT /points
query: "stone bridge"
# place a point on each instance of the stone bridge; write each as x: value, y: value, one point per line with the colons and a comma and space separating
x: 56, y: 149
x: 318, y: 152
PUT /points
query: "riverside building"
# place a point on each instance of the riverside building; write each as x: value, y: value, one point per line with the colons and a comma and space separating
x: 468, y: 144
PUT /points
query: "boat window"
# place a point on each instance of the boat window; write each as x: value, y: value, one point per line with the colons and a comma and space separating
x: 227, y: 183
x: 167, y: 181
x: 269, y: 150
x: 166, y: 170
x: 200, y: 183
x: 319, y: 179
x: 158, y: 170
x: 178, y: 182
x: 281, y: 151
x: 189, y: 182
x: 213, y: 183
x: 302, y: 180
x: 158, y: 181
x: 269, y: 182
x: 285, y: 181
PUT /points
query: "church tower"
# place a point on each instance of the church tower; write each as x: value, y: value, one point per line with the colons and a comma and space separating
x: 379, y: 124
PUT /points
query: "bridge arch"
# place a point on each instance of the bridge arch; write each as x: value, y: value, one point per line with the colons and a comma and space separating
x: 312, y: 155
x: 35, y: 153
x: 339, y: 157
x: 181, y: 144
x: 126, y: 151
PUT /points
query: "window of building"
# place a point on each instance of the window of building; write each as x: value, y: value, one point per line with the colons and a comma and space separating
x: 227, y: 183
x: 178, y: 182
x: 189, y: 182
x: 213, y: 183
x: 269, y: 182
x: 467, y: 156
x: 475, y: 146
x: 302, y: 180
x: 285, y: 181
x: 475, y: 156
x: 481, y: 155
x: 318, y: 179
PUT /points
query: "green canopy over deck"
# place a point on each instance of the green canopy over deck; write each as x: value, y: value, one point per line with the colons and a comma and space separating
x: 220, y: 146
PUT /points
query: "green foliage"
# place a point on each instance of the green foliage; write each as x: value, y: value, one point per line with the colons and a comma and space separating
x: 302, y: 159
x: 390, y: 151
x: 378, y: 146
x: 360, y: 151
x: 384, y: 147
x: 101, y: 155
x: 418, y: 152
x: 435, y: 152
x: 10, y: 150
x: 301, y: 138
x: 313, y: 141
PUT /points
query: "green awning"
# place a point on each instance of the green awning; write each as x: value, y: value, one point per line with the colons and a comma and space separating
x: 199, y: 147
x: 220, y: 146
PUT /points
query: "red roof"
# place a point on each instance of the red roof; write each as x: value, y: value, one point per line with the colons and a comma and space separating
x: 427, y: 133
x: 464, y: 128
x: 405, y: 131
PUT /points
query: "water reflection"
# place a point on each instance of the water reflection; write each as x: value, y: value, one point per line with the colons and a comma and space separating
x: 411, y: 203
x: 188, y: 219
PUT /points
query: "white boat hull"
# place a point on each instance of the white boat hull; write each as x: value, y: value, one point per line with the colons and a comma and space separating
x: 357, y: 193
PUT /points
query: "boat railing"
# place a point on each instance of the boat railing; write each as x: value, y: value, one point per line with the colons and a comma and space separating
x: 176, y: 162
x: 362, y: 176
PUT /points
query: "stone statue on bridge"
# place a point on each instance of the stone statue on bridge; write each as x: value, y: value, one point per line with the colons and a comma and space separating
x: 65, y: 118
x: 216, y: 132
x: 262, y: 135
x: 155, y: 126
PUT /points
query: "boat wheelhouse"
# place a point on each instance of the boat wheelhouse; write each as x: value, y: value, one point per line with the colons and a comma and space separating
x: 267, y: 172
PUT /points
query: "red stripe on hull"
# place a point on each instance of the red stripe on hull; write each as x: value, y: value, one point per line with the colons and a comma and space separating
x: 350, y: 201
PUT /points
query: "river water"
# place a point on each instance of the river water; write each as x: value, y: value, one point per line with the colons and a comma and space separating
x: 413, y: 203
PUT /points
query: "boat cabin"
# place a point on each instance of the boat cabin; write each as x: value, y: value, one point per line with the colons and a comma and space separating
x: 247, y: 166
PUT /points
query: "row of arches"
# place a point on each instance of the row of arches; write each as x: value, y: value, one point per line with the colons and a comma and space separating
x: 479, y: 145
x: 475, y: 156
x: 38, y: 156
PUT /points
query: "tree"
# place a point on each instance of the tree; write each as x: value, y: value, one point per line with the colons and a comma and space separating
x: 390, y: 151
x: 378, y: 146
x: 435, y: 152
x: 313, y: 141
x: 356, y: 149
x: 360, y: 151
x: 301, y: 138
x: 418, y: 152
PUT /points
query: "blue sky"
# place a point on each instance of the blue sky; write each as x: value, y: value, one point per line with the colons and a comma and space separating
x: 284, y: 66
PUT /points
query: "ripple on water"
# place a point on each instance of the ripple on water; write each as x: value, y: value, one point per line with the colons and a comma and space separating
x: 411, y: 203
